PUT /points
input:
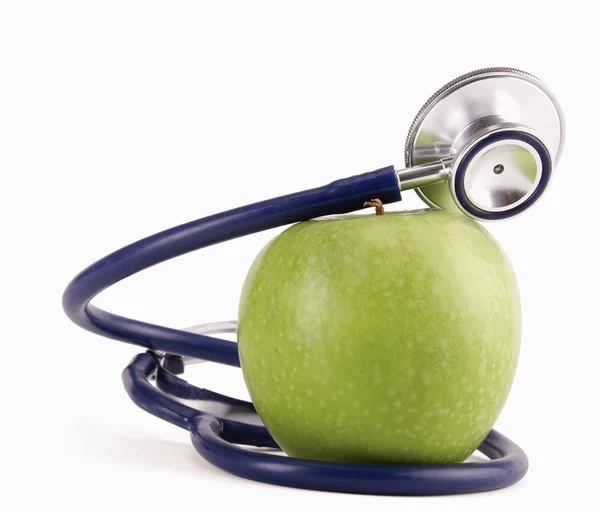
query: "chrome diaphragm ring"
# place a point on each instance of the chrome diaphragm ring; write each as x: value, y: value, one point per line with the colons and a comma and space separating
x: 501, y: 175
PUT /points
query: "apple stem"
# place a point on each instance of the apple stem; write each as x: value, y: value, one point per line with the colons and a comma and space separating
x: 377, y: 204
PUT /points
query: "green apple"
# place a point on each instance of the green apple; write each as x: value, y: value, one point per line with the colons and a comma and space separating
x: 380, y: 339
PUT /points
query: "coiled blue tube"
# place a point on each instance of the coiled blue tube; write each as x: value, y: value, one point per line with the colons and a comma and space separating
x: 217, y: 436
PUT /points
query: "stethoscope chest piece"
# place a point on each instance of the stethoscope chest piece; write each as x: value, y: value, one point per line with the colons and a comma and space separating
x: 499, y: 132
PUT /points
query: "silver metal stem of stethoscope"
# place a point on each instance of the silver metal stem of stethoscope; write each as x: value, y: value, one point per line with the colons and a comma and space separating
x: 424, y: 174
x: 226, y: 327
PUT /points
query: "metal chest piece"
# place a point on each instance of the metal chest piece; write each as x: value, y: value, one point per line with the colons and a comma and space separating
x: 498, y: 133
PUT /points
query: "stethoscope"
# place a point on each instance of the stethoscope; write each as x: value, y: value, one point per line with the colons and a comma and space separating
x: 485, y: 144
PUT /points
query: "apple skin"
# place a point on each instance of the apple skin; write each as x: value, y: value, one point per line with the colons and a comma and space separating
x: 380, y: 339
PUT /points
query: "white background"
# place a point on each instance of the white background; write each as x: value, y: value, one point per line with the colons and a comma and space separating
x: 121, y: 118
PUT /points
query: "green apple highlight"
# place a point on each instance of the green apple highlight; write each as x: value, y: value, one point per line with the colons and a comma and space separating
x: 380, y: 339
